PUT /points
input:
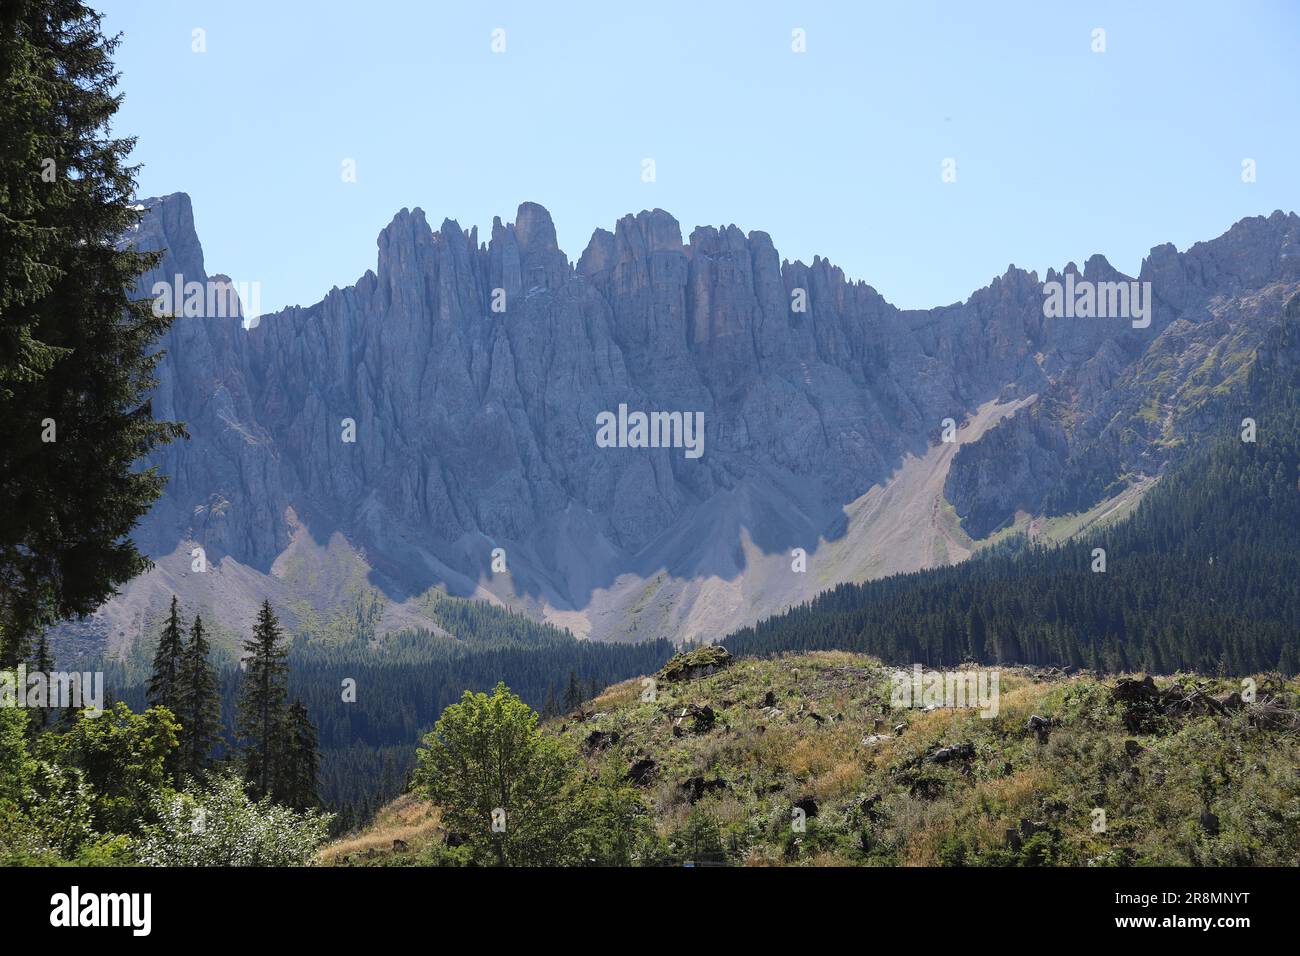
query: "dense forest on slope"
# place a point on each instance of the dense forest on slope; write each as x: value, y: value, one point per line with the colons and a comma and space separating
x: 404, y: 681
x: 1204, y: 575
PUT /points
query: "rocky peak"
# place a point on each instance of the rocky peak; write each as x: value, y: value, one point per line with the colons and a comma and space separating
x: 542, y: 264
x: 477, y: 426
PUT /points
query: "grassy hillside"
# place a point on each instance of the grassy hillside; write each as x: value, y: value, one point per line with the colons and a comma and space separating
x: 1181, y: 777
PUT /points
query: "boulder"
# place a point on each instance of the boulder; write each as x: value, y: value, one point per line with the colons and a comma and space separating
x: 1130, y: 690
x: 695, y: 664
x: 1230, y: 701
x: 869, y: 805
x: 1042, y: 726
x: 808, y: 805
x: 1142, y: 702
x: 963, y: 751
x: 642, y: 772
x: 702, y: 719
x: 698, y: 787
x: 599, y: 740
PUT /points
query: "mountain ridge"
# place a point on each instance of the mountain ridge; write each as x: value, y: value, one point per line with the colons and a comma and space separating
x: 476, y: 426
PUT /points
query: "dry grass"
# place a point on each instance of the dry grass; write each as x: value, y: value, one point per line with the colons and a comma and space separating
x: 839, y: 781
x: 408, y: 818
x: 823, y: 750
x: 618, y: 695
x: 1010, y: 794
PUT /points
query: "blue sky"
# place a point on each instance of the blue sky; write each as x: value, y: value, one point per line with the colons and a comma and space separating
x: 1060, y: 152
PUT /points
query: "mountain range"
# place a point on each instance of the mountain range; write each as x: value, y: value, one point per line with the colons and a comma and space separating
x: 471, y: 376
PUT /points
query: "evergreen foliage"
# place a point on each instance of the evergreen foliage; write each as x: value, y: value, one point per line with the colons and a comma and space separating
x: 300, y: 772
x: 1204, y: 575
x: 199, y: 704
x: 165, y: 681
x: 262, y: 693
x: 76, y: 352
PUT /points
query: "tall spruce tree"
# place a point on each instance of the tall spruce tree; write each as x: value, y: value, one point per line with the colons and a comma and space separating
x: 77, y: 354
x: 164, y: 680
x: 300, y: 767
x: 42, y: 663
x: 573, y: 693
x: 262, y: 694
x: 200, y: 704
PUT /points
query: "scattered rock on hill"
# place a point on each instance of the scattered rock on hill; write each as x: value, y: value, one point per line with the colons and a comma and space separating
x: 808, y: 805
x: 1230, y: 701
x: 1272, y: 714
x: 642, y: 772
x: 1042, y: 726
x: 1144, y: 702
x: 868, y: 806
x: 1130, y: 690
x: 702, y: 719
x: 599, y: 740
x: 692, y: 665
x: 956, y: 752
x: 698, y: 787
x: 1016, y: 836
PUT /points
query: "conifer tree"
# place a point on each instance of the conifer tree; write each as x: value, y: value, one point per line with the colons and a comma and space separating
x: 43, y: 663
x: 164, y: 681
x: 572, y: 693
x: 77, y: 352
x: 300, y: 768
x: 262, y: 693
x: 200, y: 703
x: 975, y: 633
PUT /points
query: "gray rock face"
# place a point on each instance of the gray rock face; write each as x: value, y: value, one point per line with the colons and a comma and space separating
x: 1121, y: 409
x: 474, y: 373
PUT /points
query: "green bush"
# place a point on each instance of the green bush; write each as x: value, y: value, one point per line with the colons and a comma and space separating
x: 218, y: 825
